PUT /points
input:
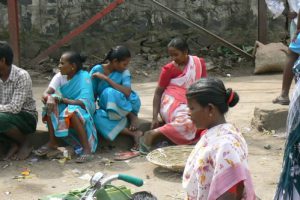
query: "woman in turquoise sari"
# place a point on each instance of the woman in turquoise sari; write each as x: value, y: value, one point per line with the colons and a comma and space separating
x: 118, y: 103
x: 69, y: 116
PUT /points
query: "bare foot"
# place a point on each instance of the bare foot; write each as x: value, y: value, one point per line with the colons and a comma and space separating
x: 134, y: 120
x: 24, y: 151
x: 2, y: 151
x: 12, y: 151
x: 137, y: 136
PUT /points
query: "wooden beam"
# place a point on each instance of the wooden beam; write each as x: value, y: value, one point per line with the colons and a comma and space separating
x: 13, y: 27
x: 75, y: 32
x: 262, y: 22
x: 203, y: 30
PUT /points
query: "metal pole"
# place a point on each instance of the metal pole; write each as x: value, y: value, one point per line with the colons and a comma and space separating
x: 262, y: 21
x: 78, y: 30
x: 13, y: 27
x: 191, y: 23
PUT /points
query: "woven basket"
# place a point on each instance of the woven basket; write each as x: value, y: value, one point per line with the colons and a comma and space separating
x: 172, y: 157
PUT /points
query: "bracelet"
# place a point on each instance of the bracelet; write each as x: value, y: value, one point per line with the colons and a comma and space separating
x: 58, y: 98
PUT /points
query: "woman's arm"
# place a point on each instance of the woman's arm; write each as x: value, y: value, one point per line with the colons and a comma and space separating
x: 72, y: 102
x: 46, y: 93
x: 121, y: 88
x: 156, y: 106
x: 125, y: 90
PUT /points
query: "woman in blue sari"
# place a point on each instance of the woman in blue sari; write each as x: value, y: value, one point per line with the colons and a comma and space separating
x: 70, y: 116
x: 118, y: 103
x: 289, y: 183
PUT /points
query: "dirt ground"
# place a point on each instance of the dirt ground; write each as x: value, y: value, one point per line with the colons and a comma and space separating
x: 50, y: 176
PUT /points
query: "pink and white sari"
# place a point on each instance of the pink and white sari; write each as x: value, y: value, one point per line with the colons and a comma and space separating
x: 179, y: 127
x: 217, y: 163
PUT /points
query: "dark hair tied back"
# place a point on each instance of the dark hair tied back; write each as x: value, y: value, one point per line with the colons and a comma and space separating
x: 180, y: 44
x: 76, y: 58
x: 212, y: 91
x: 232, y: 97
x: 119, y: 53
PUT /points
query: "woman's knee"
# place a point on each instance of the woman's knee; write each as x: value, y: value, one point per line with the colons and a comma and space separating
x: 109, y: 91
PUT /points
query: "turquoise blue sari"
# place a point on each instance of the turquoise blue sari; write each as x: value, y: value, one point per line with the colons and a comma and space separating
x: 111, y: 117
x: 289, y: 183
x: 78, y: 88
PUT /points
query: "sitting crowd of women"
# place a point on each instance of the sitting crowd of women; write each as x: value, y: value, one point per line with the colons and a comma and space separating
x: 71, y: 113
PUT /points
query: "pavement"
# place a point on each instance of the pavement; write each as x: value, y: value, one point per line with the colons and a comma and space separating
x: 264, y: 164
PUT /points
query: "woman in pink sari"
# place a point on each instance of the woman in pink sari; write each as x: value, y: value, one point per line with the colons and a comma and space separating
x: 169, y: 98
x: 217, y: 168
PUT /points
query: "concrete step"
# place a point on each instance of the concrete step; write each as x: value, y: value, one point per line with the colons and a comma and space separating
x: 270, y: 117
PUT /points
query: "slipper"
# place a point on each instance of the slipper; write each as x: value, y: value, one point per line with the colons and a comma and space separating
x: 55, y: 153
x: 83, y: 158
x: 42, y: 151
x: 135, y: 148
x: 281, y: 100
x: 143, y: 148
x: 162, y: 144
x: 126, y: 155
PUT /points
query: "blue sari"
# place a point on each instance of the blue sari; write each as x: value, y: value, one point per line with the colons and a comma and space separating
x: 78, y: 88
x: 111, y: 117
x: 289, y: 183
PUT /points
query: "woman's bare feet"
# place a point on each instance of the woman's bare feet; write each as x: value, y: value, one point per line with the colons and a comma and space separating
x: 134, y: 121
x: 24, y: 151
x: 14, y: 148
x: 137, y: 135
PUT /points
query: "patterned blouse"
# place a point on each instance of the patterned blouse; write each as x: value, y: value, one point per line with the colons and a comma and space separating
x: 217, y: 163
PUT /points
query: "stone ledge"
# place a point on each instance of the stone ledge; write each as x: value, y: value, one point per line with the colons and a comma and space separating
x: 271, y: 117
x: 41, y: 137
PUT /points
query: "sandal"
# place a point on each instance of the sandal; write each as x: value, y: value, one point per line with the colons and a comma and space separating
x: 281, y: 100
x: 126, y: 155
x: 143, y: 148
x: 84, y: 158
x: 43, y: 150
x: 135, y: 148
x: 54, y: 154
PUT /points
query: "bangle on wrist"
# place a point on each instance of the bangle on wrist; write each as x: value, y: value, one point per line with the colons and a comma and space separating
x: 59, y: 99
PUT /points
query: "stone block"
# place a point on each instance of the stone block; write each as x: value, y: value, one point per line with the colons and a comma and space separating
x: 271, y: 117
x: 41, y: 137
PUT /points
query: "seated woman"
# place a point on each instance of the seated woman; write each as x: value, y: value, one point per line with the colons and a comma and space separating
x: 169, y: 98
x: 70, y: 115
x: 217, y: 168
x: 118, y: 103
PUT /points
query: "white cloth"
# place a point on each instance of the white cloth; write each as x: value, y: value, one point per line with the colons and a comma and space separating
x: 294, y: 6
x: 277, y: 7
x: 189, y: 76
x: 58, y: 80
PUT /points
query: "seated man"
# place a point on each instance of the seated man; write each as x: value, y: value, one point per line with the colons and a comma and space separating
x: 18, y: 115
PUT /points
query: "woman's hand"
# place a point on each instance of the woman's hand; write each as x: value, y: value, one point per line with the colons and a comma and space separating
x: 292, y: 15
x: 44, y: 98
x: 100, y: 76
x: 50, y: 104
x: 155, y: 123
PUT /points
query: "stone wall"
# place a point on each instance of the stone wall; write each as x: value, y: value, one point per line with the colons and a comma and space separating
x: 137, y: 23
